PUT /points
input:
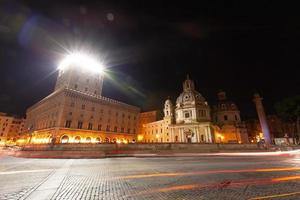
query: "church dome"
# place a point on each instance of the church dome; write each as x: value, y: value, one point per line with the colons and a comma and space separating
x: 189, y: 94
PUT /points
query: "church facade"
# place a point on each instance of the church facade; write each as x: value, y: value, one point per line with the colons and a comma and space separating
x: 191, y: 120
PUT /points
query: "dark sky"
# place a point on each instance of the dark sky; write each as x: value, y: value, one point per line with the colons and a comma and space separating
x: 149, y: 47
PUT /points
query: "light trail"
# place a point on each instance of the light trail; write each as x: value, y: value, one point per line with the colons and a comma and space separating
x: 139, y: 176
x: 230, y: 184
x: 275, y: 196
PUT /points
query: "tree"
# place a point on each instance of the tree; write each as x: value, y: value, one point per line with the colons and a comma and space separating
x: 289, y: 110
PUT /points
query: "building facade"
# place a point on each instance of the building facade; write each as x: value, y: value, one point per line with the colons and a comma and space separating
x: 10, y: 128
x: 76, y: 112
x: 188, y: 121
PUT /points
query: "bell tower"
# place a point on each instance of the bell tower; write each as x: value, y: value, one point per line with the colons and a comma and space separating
x: 169, y: 110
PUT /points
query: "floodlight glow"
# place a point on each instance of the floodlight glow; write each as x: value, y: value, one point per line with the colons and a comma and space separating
x: 81, y: 60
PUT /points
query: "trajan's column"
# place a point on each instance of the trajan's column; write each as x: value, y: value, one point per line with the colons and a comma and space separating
x: 262, y: 118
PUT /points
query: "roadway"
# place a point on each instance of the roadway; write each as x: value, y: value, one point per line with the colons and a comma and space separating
x: 196, y: 177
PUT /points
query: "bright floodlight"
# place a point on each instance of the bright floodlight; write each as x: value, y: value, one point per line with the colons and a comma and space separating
x: 81, y: 60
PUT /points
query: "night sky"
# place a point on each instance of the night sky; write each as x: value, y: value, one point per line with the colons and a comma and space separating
x: 148, y: 48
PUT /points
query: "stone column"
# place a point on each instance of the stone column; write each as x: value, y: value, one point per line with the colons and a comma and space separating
x: 262, y: 118
x: 197, y: 135
x: 206, y: 135
x: 209, y: 134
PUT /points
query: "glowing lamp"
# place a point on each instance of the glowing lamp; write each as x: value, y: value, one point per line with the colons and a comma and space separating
x: 83, y: 61
x: 140, y: 137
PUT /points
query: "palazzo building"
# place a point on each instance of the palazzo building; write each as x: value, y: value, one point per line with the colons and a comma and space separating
x: 189, y: 120
x: 76, y: 112
x: 11, y: 128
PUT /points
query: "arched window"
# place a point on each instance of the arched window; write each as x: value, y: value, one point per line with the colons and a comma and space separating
x: 98, y: 140
x: 88, y: 140
x: 64, y: 139
x: 77, y: 139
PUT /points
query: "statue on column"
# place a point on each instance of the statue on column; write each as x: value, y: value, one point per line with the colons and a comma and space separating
x: 262, y: 118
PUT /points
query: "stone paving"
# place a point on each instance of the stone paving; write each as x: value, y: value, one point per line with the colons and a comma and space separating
x: 148, y: 178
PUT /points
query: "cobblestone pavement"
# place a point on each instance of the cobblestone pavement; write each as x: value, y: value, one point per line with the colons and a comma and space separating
x: 151, y: 178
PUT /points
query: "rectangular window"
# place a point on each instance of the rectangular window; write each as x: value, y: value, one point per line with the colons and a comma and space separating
x: 186, y: 115
x: 128, y: 130
x: 99, y: 127
x: 107, y: 128
x: 122, y: 130
x: 83, y: 106
x: 68, y: 123
x: 90, y: 127
x: 225, y: 117
x: 115, y: 129
x: 79, y: 125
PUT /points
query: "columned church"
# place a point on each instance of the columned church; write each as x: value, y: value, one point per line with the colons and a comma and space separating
x: 191, y: 120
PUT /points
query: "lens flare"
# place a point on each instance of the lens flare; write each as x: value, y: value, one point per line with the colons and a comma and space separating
x: 83, y: 61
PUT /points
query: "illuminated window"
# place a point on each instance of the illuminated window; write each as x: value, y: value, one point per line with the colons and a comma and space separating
x: 88, y: 140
